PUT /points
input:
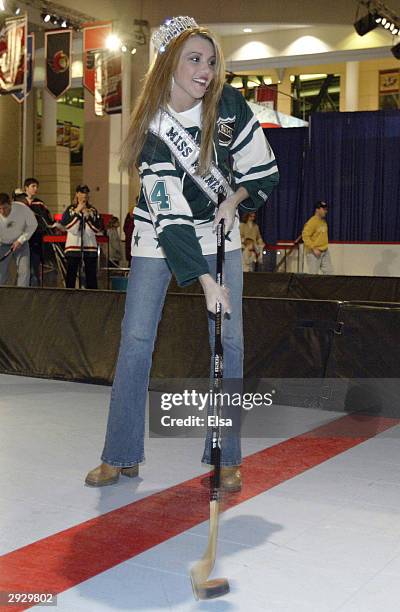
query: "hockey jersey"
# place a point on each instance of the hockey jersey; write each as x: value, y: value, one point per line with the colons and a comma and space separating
x: 180, y: 227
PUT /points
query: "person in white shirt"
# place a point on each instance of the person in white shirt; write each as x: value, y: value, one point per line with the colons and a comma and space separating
x: 17, y: 224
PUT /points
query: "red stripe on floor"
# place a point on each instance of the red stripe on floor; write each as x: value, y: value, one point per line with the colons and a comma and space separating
x: 69, y: 557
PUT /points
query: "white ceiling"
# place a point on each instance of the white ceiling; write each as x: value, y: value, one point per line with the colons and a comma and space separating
x: 235, y: 29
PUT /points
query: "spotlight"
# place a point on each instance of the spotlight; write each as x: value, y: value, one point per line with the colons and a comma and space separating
x: 395, y: 31
x: 133, y: 51
x: 113, y: 42
x: 46, y: 17
x: 396, y: 51
x: 366, y: 24
x: 55, y: 20
x: 17, y: 10
x: 124, y: 48
x: 64, y: 24
x: 384, y: 21
x: 378, y: 19
x: 387, y: 25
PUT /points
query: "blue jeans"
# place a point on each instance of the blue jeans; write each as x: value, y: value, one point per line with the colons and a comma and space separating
x: 21, y: 258
x: 147, y: 286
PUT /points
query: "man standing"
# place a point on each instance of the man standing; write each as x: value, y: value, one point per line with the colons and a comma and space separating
x: 315, y: 238
x: 17, y: 224
x: 44, y: 219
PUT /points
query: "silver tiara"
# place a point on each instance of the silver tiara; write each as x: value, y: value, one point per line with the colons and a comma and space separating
x: 170, y: 29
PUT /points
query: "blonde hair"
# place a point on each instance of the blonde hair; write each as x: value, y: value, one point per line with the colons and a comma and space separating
x: 156, y: 93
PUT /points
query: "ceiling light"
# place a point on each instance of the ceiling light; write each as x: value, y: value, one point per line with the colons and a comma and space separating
x: 133, y: 51
x: 366, y: 24
x: 113, y: 42
x: 247, y: 30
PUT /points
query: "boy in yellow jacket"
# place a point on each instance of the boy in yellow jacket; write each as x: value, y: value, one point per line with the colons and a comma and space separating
x: 315, y: 238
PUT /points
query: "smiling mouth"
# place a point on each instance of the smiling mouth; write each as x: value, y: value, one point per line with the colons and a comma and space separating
x: 200, y: 82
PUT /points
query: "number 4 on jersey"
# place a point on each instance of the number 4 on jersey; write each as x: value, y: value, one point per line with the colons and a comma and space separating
x: 160, y: 196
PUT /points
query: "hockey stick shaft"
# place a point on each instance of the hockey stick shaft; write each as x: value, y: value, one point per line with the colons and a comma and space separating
x: 218, y: 369
x: 3, y: 257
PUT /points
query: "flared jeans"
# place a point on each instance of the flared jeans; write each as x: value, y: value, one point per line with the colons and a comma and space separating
x: 147, y: 286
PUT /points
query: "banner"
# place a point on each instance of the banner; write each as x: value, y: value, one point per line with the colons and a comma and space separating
x: 13, y: 55
x: 94, y: 40
x: 30, y: 64
x: 108, y: 83
x: 267, y: 95
x: 58, y: 61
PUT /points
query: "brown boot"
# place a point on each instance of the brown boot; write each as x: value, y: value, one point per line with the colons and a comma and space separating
x: 106, y: 474
x: 231, y: 478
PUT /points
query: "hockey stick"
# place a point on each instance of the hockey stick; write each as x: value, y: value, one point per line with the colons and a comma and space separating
x: 202, y: 587
x: 3, y: 257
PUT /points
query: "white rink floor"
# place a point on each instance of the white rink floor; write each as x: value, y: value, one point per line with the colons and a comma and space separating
x: 326, y: 540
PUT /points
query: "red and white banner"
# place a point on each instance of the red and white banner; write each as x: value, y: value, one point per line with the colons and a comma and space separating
x: 19, y: 96
x: 58, y: 58
x: 13, y: 55
x: 108, y: 83
x: 94, y: 40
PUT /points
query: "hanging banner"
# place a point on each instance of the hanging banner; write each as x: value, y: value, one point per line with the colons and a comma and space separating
x: 108, y: 83
x: 94, y: 40
x: 267, y: 95
x: 30, y: 64
x: 13, y: 55
x: 113, y: 85
x: 98, y: 83
x: 58, y: 61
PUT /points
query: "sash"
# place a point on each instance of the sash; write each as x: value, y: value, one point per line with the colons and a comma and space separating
x: 186, y: 151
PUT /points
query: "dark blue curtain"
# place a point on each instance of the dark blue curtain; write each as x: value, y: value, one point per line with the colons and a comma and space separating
x: 281, y: 217
x: 350, y: 160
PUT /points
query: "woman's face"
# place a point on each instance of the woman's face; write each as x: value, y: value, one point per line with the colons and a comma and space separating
x: 194, y: 73
x: 82, y: 198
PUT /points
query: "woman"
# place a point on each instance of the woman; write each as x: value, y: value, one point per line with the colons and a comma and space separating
x: 184, y: 102
x: 83, y: 223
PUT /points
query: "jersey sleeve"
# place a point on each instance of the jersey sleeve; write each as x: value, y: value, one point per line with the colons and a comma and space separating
x: 170, y: 213
x: 94, y: 222
x: 254, y: 164
x: 71, y: 221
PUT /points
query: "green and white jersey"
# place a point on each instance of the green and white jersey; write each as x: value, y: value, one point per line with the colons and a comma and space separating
x: 180, y: 228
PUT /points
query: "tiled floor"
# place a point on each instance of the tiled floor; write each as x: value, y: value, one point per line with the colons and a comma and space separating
x: 325, y: 540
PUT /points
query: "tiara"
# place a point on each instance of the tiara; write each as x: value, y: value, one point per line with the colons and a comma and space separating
x: 170, y: 29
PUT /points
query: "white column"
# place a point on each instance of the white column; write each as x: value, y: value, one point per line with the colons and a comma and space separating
x: 118, y: 183
x: 49, y: 120
x: 352, y: 77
